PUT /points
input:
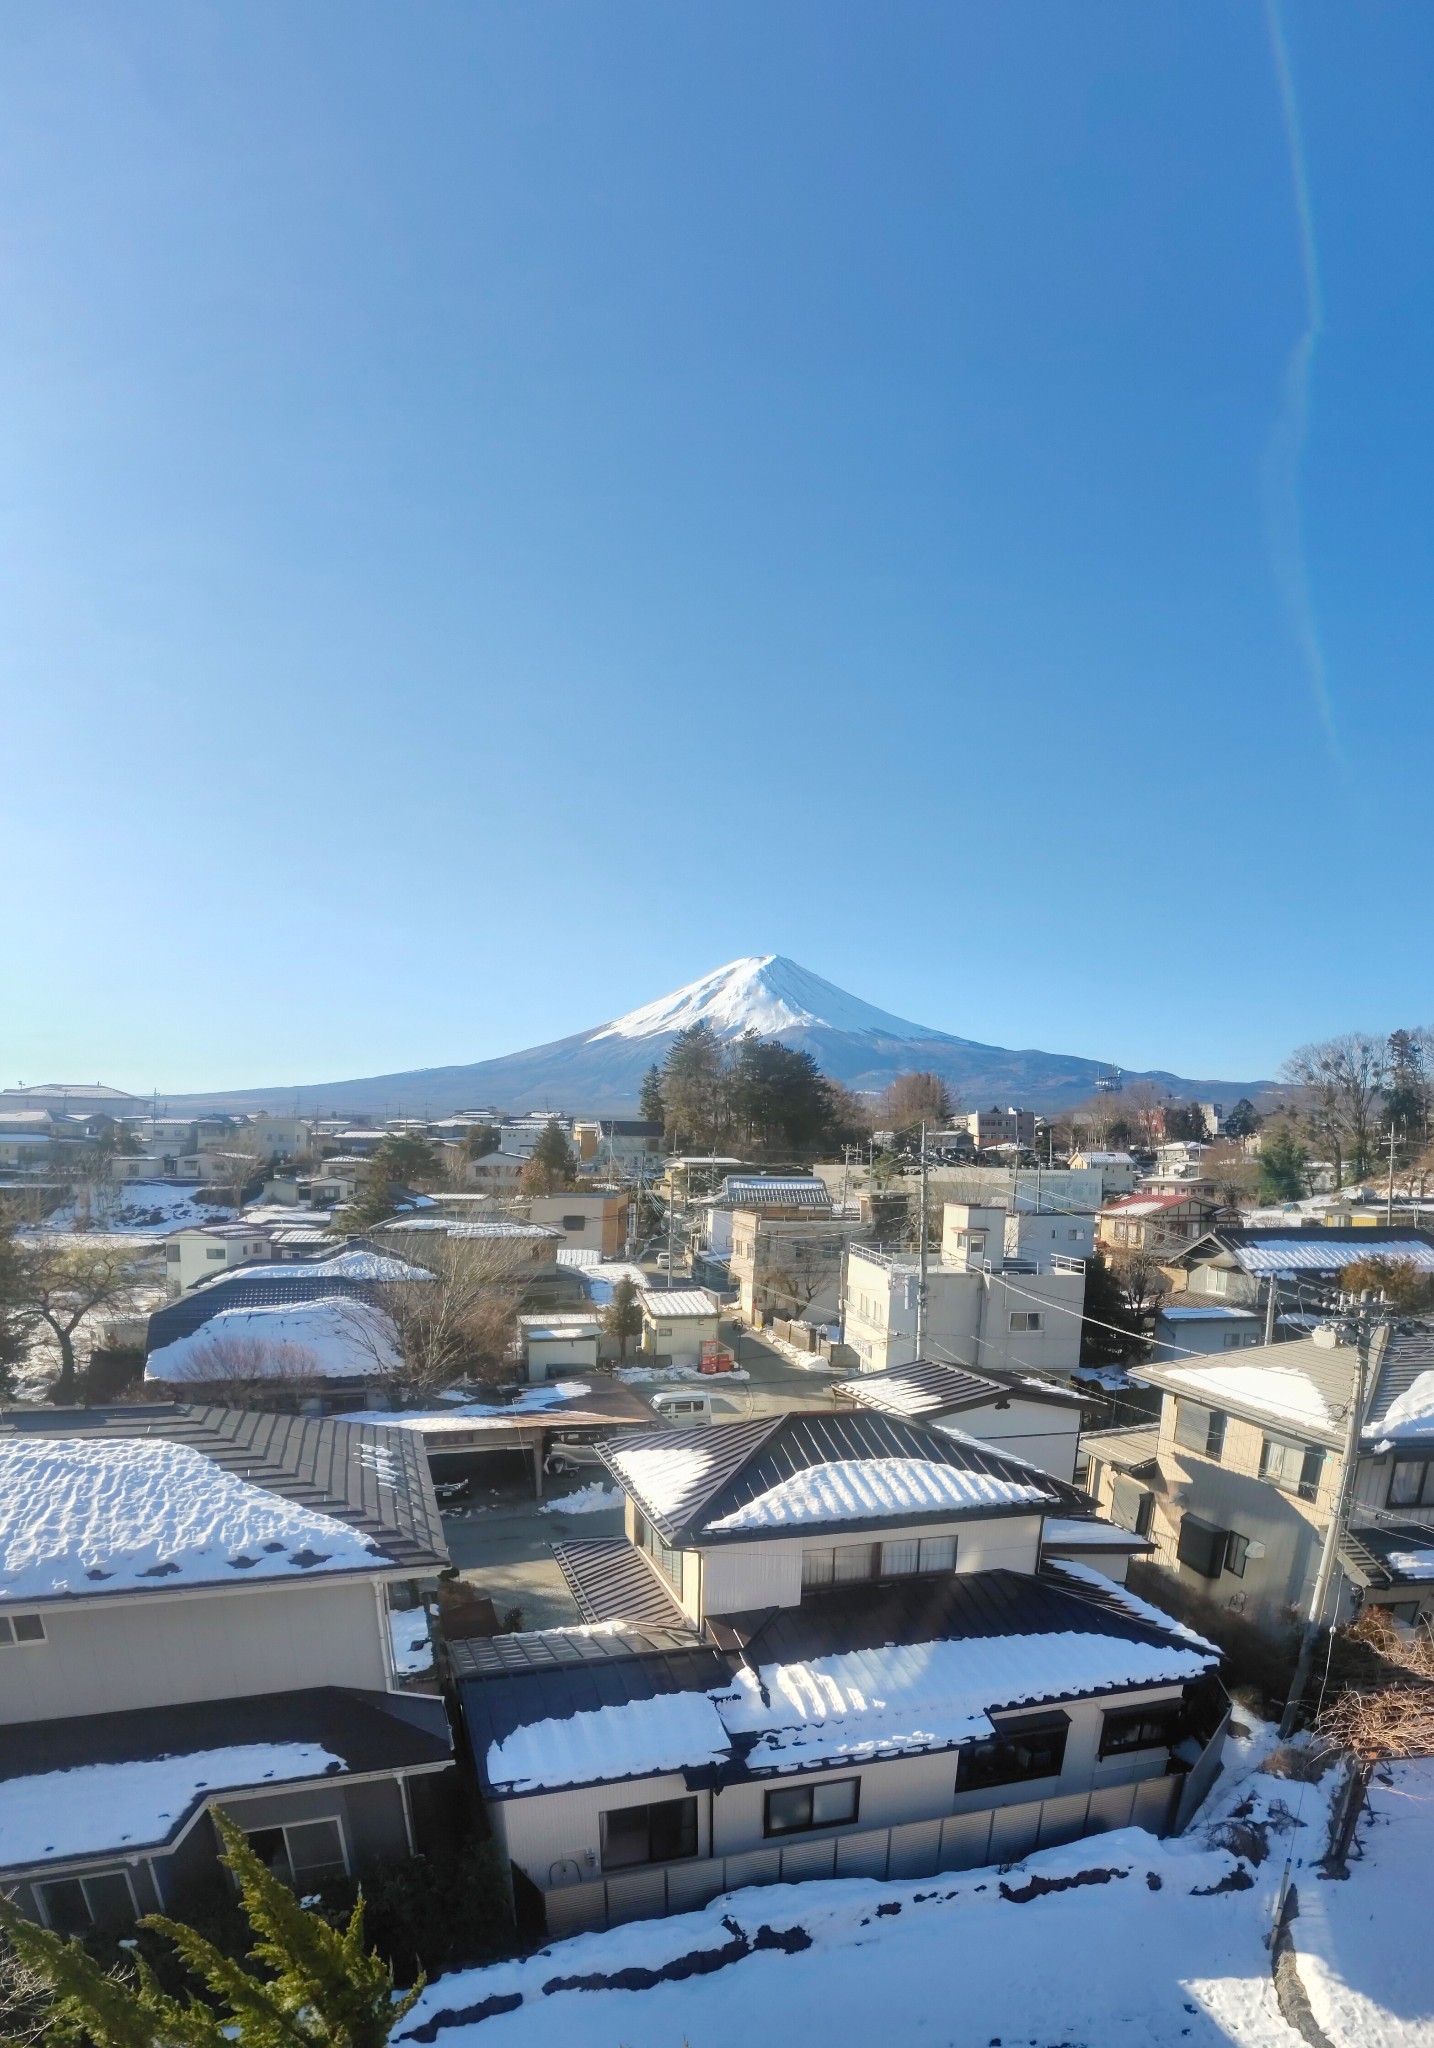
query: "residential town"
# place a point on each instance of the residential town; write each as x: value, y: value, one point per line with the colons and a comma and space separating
x: 602, y: 1526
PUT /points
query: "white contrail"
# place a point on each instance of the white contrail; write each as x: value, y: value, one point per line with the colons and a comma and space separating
x: 1284, y: 451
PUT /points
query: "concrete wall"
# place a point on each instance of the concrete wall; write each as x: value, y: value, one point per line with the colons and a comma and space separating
x: 1047, y: 1435
x: 135, y: 1650
x: 769, y: 1574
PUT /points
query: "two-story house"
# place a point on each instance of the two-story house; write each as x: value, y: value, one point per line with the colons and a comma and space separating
x: 985, y: 1307
x: 826, y: 1647
x: 1239, y: 1481
x: 205, y: 1607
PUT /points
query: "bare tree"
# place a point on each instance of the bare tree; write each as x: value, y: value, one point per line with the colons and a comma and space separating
x: 1143, y: 1106
x: 58, y: 1281
x: 243, y: 1161
x: 914, y: 1099
x: 1141, y: 1280
x: 457, y: 1318
x: 1340, y: 1082
x: 249, y: 1372
x: 1234, y: 1177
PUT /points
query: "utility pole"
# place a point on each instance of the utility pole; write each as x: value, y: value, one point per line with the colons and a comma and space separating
x: 1272, y: 1296
x: 921, y: 1258
x: 1389, y: 1205
x: 1329, y: 1555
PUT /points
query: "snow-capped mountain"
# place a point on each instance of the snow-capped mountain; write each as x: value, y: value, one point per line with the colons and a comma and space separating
x: 601, y: 1070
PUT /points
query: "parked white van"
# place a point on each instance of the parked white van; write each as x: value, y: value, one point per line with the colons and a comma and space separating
x: 684, y: 1406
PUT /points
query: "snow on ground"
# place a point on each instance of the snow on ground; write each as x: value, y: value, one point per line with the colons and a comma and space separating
x: 1128, y: 1954
x: 83, y: 1516
x: 59, y: 1814
x: 1362, y: 1942
x: 410, y: 1640
x: 663, y: 1375
x: 140, y: 1207
x: 854, y: 1489
x: 588, y: 1500
x: 335, y: 1337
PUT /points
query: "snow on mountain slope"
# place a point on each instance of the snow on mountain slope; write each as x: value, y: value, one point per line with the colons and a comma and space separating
x: 765, y: 993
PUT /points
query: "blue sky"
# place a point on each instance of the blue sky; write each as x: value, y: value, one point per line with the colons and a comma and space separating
x: 507, y: 506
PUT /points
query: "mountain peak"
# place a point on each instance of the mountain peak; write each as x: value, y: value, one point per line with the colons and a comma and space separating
x: 765, y: 993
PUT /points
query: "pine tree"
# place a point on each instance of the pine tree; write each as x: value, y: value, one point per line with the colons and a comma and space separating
x: 694, y: 1088
x: 551, y: 1167
x: 1284, y: 1165
x: 623, y: 1318
x: 649, y: 1103
x: 316, y: 1986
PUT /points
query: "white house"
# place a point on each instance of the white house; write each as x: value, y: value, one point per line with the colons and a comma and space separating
x: 558, y: 1344
x: 677, y: 1322
x: 1019, y: 1413
x: 983, y: 1308
x: 827, y: 1647
x: 215, y: 1609
x: 201, y: 1250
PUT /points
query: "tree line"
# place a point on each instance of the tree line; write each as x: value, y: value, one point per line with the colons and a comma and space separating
x: 756, y: 1094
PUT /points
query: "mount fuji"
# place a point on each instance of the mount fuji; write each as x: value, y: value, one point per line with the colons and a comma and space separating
x: 600, y: 1071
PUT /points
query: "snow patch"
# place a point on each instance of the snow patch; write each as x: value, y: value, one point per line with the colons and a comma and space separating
x: 57, y: 1815
x: 1412, y: 1415
x: 142, y: 1513
x: 637, y: 1739
x: 410, y: 1641
x: 588, y: 1500
x: 335, y: 1337
x: 856, y: 1489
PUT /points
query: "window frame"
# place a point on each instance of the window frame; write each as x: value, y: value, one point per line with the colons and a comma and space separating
x: 1163, y: 1716
x: 686, y: 1801
x: 1236, y: 1559
x: 1025, y: 1322
x: 1009, y: 1739
x: 1306, y: 1486
x: 810, y: 1788
x: 1424, y: 1496
x: 10, y: 1636
x: 285, y: 1828
x: 82, y: 1878
x: 1207, y: 1441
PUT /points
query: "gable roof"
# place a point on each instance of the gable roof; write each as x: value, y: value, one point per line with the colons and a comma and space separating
x: 1309, y: 1248
x: 927, y: 1386
x: 808, y: 1472
x: 116, y: 1519
x: 1302, y: 1386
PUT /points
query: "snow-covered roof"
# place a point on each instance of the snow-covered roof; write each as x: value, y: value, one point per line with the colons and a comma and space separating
x: 335, y: 1337
x: 87, y: 1515
x: 920, y: 1696
x: 62, y: 1816
x: 463, y: 1414
x: 1327, y: 1252
x: 354, y: 1264
x: 1210, y: 1312
x: 676, y: 1303
x: 634, y: 1739
x: 1068, y: 1532
x: 856, y: 1490
x: 1409, y: 1417
x: 1282, y: 1391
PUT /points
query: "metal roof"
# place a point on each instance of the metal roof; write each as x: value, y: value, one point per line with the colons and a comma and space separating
x: 927, y: 1386
x: 678, y: 1302
x: 1129, y: 1450
x: 1315, y: 1254
x: 1368, y: 1554
x: 756, y: 1191
x: 612, y: 1580
x: 321, y: 1462
x: 740, y: 1461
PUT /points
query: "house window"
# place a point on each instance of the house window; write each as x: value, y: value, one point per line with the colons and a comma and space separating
x: 73, y: 1905
x: 1131, y: 1505
x: 303, y: 1853
x: 215, y: 1254
x: 1023, y: 1319
x: 664, y: 1832
x: 667, y: 1560
x: 794, y: 1809
x: 1201, y: 1546
x: 1134, y: 1728
x: 840, y: 1565
x: 575, y: 1223
x: 1411, y: 1483
x: 1236, y: 1547
x: 912, y: 1555
x: 1294, y: 1468
x: 1199, y: 1428
x: 1034, y: 1747
x: 21, y: 1628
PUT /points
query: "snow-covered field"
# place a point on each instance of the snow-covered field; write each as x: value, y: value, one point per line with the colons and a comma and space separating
x: 1118, y: 1941
x: 141, y: 1208
x: 1363, y: 1944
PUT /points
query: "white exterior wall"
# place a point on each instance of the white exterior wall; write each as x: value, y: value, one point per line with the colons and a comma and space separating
x: 1032, y: 1236
x: 967, y: 1316
x: 1047, y: 1435
x: 136, y: 1650
x: 736, y: 1576
x: 679, y: 1338
x: 549, y: 1356
x: 202, y: 1256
